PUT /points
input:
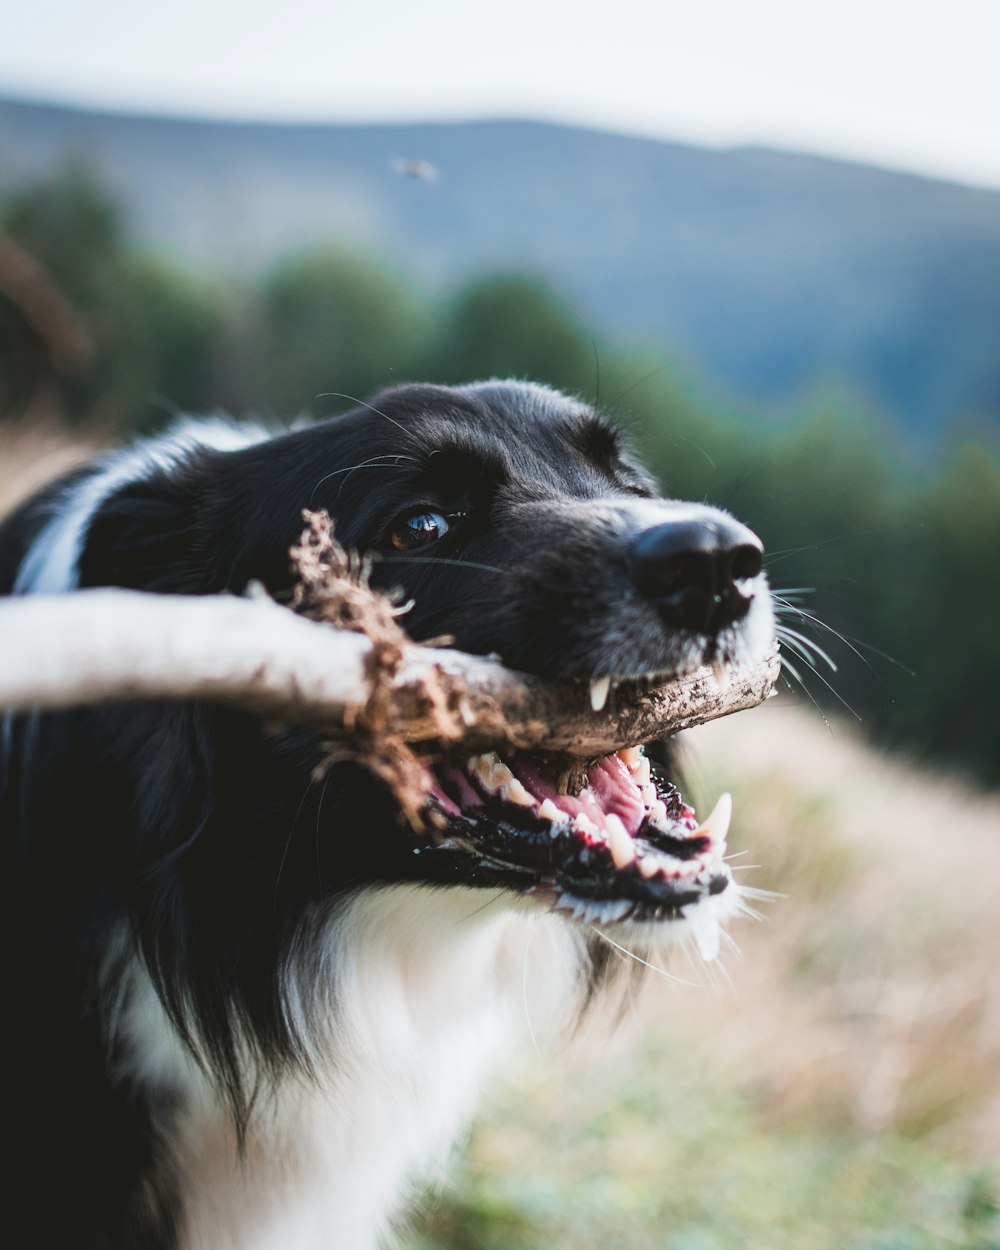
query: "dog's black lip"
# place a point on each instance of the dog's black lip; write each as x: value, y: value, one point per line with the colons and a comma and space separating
x: 511, y: 846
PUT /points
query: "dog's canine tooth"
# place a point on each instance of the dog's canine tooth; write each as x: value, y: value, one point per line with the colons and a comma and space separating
x: 514, y: 792
x: 721, y: 671
x: 599, y: 688
x: 716, y: 826
x: 641, y: 773
x: 551, y: 812
x: 619, y: 842
x: 630, y: 757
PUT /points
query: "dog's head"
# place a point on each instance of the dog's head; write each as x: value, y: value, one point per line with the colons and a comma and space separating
x: 514, y: 521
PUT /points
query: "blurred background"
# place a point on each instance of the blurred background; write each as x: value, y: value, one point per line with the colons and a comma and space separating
x: 766, y: 238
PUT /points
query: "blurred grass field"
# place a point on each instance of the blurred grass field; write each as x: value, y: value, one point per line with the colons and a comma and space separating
x: 832, y: 1084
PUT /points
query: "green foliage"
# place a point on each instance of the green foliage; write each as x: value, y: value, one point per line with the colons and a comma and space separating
x: 332, y: 321
x: 173, y: 336
x: 155, y: 331
x: 73, y: 227
x: 510, y: 325
x: 943, y: 602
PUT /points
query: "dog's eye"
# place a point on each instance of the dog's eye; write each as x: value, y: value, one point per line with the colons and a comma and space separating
x: 418, y: 530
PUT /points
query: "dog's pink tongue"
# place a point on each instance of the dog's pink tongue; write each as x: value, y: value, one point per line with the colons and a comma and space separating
x: 610, y: 790
x: 616, y: 792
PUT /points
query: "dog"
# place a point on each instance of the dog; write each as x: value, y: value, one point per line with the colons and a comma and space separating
x: 250, y: 1008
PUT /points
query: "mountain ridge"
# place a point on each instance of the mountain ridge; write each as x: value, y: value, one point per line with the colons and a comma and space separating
x: 769, y: 272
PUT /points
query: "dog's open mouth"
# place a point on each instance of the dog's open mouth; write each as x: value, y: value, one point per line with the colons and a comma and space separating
x: 606, y: 842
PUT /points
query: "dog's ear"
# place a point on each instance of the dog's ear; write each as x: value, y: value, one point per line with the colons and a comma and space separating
x: 145, y: 537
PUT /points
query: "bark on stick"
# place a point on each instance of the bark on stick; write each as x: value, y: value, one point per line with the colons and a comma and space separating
x: 89, y: 647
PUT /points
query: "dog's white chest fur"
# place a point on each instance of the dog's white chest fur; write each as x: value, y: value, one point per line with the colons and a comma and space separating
x: 432, y: 988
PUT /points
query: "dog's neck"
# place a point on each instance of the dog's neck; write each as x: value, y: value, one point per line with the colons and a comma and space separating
x: 432, y: 989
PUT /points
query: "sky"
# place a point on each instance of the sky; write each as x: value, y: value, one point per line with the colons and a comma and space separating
x: 910, y: 84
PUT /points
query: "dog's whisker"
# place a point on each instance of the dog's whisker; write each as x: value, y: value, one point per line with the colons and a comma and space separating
x: 388, y: 461
x: 364, y: 404
x: 804, y: 647
x: 318, y: 830
x: 788, y: 666
x: 808, y: 644
x: 524, y: 996
x: 458, y: 563
x: 645, y: 962
x: 772, y: 557
x: 850, y: 643
x: 291, y: 834
x: 758, y: 892
x: 652, y: 373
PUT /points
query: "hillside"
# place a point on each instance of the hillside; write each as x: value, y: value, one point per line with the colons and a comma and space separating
x: 769, y: 274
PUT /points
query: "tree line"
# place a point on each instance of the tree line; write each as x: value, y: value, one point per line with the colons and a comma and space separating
x: 884, y: 563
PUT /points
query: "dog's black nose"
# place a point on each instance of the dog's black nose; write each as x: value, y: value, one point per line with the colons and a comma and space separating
x: 697, y: 569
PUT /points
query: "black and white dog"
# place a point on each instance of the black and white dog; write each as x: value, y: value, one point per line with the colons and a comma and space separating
x: 246, y: 1007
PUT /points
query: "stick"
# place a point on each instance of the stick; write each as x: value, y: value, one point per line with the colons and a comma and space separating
x: 94, y: 646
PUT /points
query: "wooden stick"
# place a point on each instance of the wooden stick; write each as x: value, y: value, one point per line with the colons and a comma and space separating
x: 95, y: 646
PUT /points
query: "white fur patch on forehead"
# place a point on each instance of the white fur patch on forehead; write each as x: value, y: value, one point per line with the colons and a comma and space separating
x: 50, y: 565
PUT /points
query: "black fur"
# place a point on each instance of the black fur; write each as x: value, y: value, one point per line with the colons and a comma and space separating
x: 196, y: 833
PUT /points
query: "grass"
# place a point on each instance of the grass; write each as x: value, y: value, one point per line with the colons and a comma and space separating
x: 663, y: 1156
x: 836, y: 1088
x: 34, y: 450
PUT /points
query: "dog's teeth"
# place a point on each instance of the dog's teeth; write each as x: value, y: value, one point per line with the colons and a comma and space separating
x: 651, y: 865
x: 514, y: 792
x: 641, y: 773
x: 599, y: 692
x: 630, y: 757
x: 550, y: 812
x: 500, y: 775
x: 480, y: 766
x: 717, y: 824
x: 657, y: 814
x: 490, y: 771
x: 721, y: 672
x: 583, y: 824
x: 619, y: 843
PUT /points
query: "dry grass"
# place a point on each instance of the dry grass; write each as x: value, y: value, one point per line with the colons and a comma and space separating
x: 869, y: 997
x: 835, y: 1087
x: 34, y: 450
